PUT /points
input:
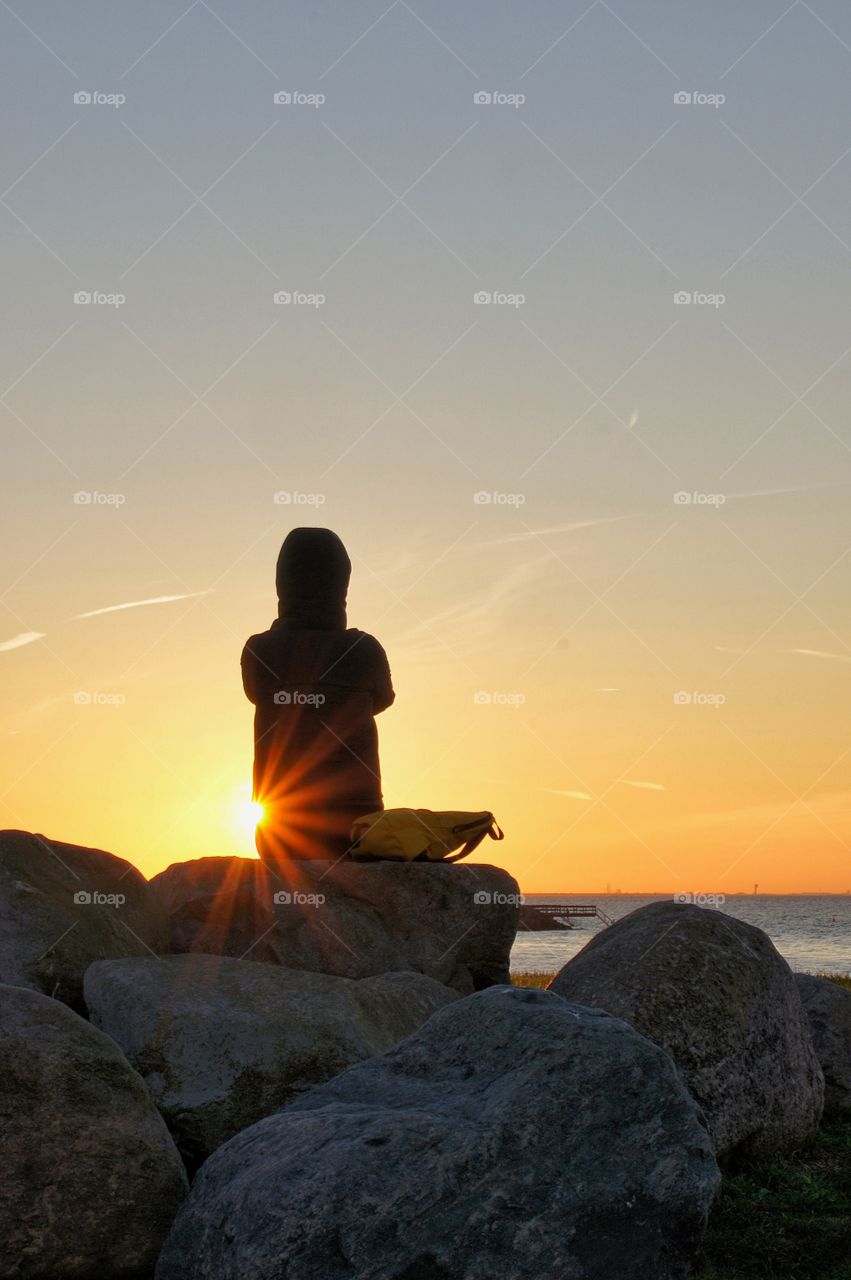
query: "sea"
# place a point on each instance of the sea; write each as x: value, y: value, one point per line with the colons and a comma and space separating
x: 811, y: 931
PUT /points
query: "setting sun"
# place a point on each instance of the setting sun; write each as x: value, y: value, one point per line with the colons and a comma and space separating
x: 245, y: 815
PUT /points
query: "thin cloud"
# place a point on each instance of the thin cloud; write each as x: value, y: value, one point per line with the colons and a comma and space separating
x: 18, y: 641
x: 556, y: 528
x: 644, y: 786
x: 571, y: 795
x: 771, y: 493
x: 822, y: 653
x: 138, y: 604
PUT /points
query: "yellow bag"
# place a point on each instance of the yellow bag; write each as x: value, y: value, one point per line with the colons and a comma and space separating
x: 420, y: 835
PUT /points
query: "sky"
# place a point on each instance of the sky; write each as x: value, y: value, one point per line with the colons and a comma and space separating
x: 545, y: 309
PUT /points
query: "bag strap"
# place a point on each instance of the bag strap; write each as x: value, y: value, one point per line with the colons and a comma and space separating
x: 493, y: 831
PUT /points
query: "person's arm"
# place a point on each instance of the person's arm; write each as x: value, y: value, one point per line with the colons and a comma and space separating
x: 383, y: 693
x: 248, y: 663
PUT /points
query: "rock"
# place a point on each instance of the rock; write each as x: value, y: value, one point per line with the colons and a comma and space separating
x: 514, y: 1135
x: 455, y: 923
x: 63, y: 906
x: 90, y: 1178
x: 223, y: 1042
x: 828, y: 1008
x: 714, y: 992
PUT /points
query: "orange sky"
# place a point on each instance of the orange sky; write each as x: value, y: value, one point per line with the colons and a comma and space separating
x: 605, y: 308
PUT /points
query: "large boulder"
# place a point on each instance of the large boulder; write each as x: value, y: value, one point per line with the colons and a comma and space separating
x: 90, y: 1178
x: 828, y: 1008
x: 513, y: 1135
x: 63, y: 906
x: 222, y: 1042
x: 454, y: 923
x: 715, y: 993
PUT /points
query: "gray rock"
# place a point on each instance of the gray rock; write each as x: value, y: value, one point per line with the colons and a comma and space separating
x: 828, y: 1008
x: 90, y: 1179
x: 222, y: 1042
x: 63, y: 906
x: 514, y: 1135
x: 454, y: 923
x: 719, y: 997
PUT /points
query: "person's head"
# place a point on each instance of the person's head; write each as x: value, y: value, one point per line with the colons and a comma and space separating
x: 312, y: 579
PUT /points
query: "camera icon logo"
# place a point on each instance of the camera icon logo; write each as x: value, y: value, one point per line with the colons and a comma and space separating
x: 82, y: 498
x: 83, y: 698
x: 682, y: 298
x: 282, y: 698
x: 282, y: 898
x: 82, y: 98
x: 482, y: 98
x: 282, y: 98
x: 682, y: 499
x: 682, y: 99
x: 82, y: 898
x: 482, y: 298
x: 482, y: 698
x: 683, y: 897
x: 482, y: 498
x: 482, y: 898
x: 282, y: 298
x: 82, y: 298
x: 682, y: 699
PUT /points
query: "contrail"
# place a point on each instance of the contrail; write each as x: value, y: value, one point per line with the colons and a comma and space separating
x: 644, y: 786
x: 17, y: 642
x: 821, y: 653
x: 137, y: 604
x: 556, y: 528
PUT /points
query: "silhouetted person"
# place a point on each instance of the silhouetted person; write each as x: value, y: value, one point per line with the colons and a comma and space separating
x: 317, y: 688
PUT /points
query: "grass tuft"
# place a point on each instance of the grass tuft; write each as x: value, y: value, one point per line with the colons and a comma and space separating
x: 540, y: 979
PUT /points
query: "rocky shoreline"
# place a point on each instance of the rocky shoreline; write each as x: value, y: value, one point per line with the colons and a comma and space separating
x: 327, y: 1076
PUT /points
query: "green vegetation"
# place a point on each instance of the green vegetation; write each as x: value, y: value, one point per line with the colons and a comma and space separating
x: 786, y: 1219
x: 542, y: 979
x: 844, y: 979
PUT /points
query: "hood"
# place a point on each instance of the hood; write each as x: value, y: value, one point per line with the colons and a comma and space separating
x: 312, y: 579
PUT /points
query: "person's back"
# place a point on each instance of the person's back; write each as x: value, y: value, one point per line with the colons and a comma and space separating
x: 316, y: 687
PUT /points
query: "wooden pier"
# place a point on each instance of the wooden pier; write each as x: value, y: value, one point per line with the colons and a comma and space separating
x: 541, y: 916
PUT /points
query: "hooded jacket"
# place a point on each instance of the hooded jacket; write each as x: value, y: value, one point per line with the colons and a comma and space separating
x: 316, y: 686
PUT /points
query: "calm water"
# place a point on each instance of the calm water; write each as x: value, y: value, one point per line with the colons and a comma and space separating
x: 812, y: 932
